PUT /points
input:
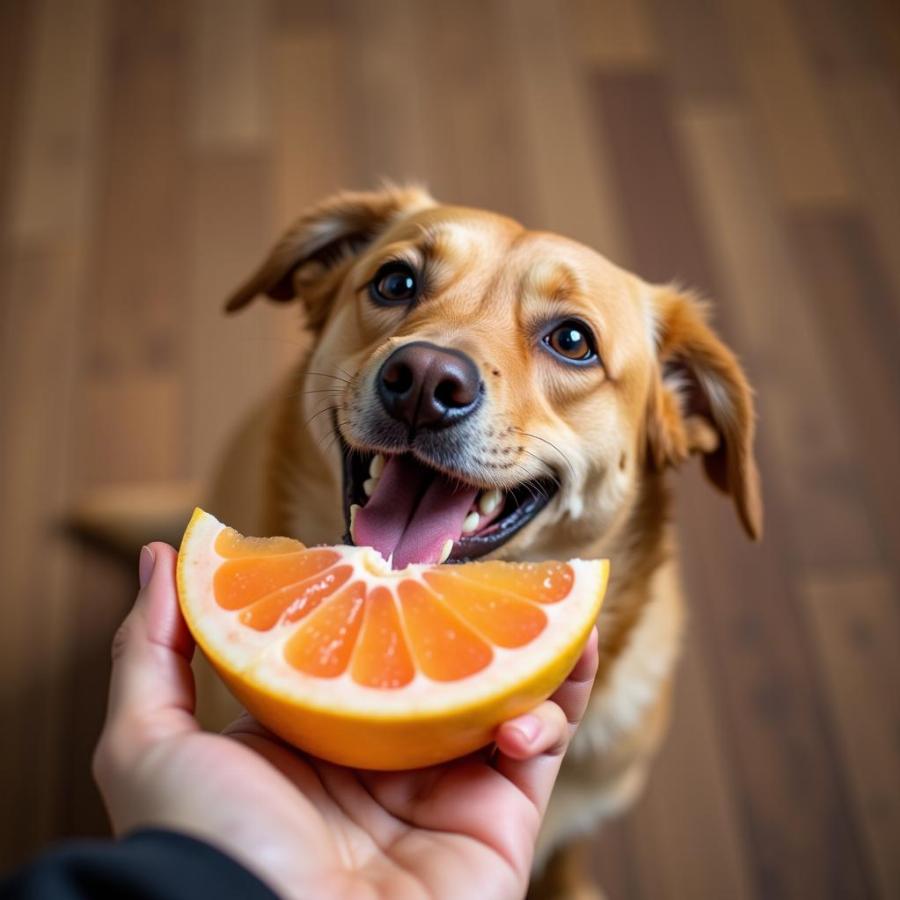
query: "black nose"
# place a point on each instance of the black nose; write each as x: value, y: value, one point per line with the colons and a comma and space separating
x: 426, y: 386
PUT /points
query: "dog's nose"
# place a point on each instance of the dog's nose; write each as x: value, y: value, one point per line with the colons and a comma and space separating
x: 426, y: 386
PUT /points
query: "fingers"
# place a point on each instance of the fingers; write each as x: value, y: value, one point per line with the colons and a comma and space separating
x: 532, y: 746
x: 151, y: 692
x: 543, y: 730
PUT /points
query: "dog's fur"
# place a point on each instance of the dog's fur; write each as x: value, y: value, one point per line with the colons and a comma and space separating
x: 667, y: 387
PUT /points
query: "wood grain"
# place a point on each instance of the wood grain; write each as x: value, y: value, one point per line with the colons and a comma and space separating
x: 817, y: 473
x: 151, y: 151
x: 855, y: 624
x: 786, y: 102
x: 867, y: 116
x: 50, y: 188
x: 568, y: 172
x: 471, y: 118
x: 229, y: 104
x: 698, y: 58
x: 860, y: 324
x: 52, y: 168
x: 609, y: 33
x: 687, y: 833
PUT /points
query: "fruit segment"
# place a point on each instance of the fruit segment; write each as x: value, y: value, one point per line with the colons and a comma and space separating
x: 239, y: 582
x: 232, y: 544
x: 292, y: 603
x: 322, y: 645
x: 382, y: 658
x: 444, y: 647
x: 503, y: 619
x: 444, y: 629
x: 544, y: 582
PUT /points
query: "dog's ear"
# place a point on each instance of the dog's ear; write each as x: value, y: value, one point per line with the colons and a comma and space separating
x: 701, y: 402
x: 305, y: 262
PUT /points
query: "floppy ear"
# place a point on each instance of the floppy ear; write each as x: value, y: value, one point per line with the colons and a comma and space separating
x: 305, y: 261
x: 701, y: 403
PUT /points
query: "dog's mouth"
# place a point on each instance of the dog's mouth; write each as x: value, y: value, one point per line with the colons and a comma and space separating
x: 413, y: 513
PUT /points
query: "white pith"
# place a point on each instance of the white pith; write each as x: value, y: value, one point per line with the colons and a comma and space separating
x: 258, y: 656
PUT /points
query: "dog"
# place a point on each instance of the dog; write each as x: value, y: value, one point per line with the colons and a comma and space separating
x: 459, y: 364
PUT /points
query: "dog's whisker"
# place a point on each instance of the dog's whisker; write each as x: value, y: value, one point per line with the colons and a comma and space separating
x: 550, y: 472
x: 330, y: 408
x: 537, y: 437
x: 325, y: 375
x: 334, y: 436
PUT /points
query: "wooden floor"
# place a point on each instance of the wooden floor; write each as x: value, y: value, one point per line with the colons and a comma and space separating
x: 149, y: 151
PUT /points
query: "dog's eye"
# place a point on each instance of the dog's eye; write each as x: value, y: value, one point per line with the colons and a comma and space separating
x: 572, y: 341
x: 394, y: 282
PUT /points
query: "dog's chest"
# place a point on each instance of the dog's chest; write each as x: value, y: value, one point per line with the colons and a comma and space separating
x: 638, y: 673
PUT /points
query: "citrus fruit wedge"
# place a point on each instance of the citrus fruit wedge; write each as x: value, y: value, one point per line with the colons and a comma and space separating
x: 376, y: 668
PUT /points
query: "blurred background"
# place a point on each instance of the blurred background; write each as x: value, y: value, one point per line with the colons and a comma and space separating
x: 151, y: 151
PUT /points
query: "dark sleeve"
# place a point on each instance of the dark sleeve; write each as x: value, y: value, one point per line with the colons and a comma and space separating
x: 146, y: 865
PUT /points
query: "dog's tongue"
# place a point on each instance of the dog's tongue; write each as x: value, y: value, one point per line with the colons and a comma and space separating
x: 412, y: 513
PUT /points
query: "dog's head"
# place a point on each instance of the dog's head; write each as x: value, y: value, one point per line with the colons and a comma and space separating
x: 494, y: 388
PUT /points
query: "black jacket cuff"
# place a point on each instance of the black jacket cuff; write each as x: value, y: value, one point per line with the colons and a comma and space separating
x: 151, y: 864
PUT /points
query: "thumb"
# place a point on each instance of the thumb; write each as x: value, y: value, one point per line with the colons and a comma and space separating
x: 151, y: 693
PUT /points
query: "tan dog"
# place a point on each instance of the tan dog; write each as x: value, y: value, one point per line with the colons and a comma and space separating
x: 476, y: 356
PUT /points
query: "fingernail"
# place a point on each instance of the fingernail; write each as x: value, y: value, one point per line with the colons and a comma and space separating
x: 145, y: 566
x: 529, y: 727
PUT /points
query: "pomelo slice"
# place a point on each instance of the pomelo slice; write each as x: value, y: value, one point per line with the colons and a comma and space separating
x: 377, y: 668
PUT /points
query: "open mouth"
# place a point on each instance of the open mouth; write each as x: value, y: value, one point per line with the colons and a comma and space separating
x: 413, y: 513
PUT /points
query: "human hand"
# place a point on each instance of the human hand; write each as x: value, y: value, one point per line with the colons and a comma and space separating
x: 306, y: 827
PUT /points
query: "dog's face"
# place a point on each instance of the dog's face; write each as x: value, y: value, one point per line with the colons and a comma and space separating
x: 493, y: 389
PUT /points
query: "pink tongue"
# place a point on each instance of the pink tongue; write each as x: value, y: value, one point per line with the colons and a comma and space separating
x: 413, y: 513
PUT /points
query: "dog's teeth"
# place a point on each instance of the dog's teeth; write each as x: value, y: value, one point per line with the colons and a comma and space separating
x: 489, y: 501
x: 369, y: 486
x: 445, y: 550
x: 470, y: 523
x: 354, y: 509
x: 376, y: 467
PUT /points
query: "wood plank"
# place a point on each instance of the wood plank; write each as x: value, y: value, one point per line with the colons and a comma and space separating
x: 887, y: 24
x: 787, y: 105
x: 311, y: 148
x: 229, y: 102
x: 697, y: 57
x: 611, y: 863
x: 137, y: 306
x: 36, y: 452
x: 385, y: 106
x: 100, y: 594
x: 863, y: 107
x: 133, y: 429
x: 800, y: 831
x: 51, y: 190
x: 471, y: 126
x: 859, y: 329
x: 842, y: 38
x: 766, y: 689
x: 612, y: 33
x: 231, y: 360
x: 52, y: 159
x: 15, y: 31
x: 568, y: 169
x: 687, y: 832
x: 814, y: 468
x: 632, y: 115
x: 856, y: 624
x: 130, y: 416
